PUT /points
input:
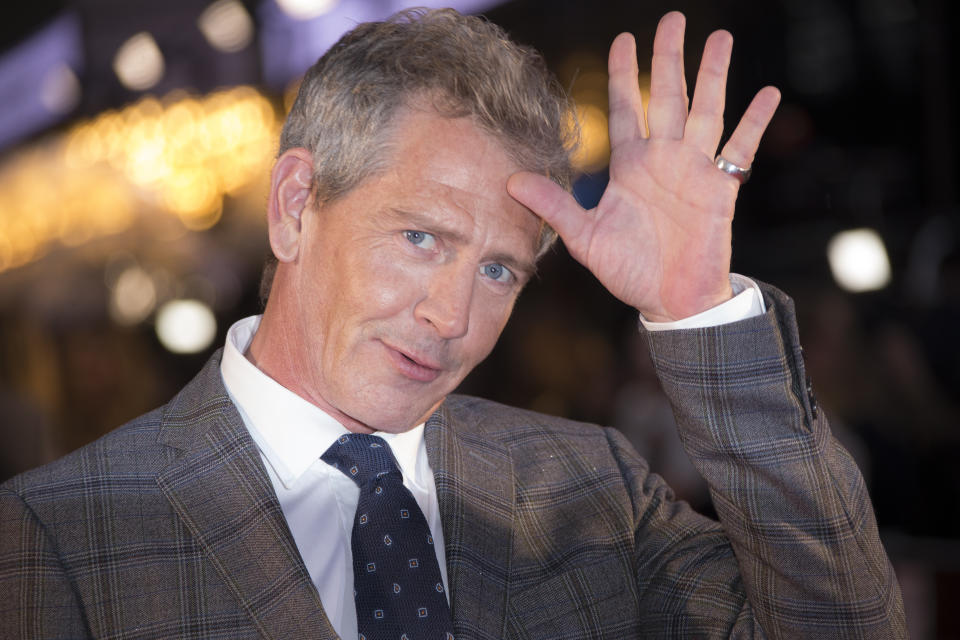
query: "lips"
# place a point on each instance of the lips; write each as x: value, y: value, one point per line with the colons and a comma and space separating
x: 412, y: 366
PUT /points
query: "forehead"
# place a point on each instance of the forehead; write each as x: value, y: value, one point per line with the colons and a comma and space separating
x: 426, y: 142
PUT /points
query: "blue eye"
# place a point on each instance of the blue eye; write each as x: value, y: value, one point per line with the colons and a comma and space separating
x: 496, y: 271
x: 420, y: 239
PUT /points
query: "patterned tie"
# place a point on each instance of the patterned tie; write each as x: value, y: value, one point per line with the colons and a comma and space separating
x: 397, y: 584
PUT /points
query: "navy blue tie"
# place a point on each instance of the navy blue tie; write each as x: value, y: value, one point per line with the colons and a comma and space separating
x: 396, y: 578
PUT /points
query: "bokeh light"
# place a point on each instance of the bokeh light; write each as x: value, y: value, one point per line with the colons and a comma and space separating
x: 60, y: 90
x: 139, y: 63
x: 133, y: 298
x: 226, y: 25
x: 186, y: 326
x: 181, y: 155
x: 594, y: 150
x: 858, y: 260
x: 306, y: 9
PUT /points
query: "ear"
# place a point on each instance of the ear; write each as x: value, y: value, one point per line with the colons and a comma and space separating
x: 290, y: 184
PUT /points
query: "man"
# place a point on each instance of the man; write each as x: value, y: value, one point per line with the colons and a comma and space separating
x: 419, y: 171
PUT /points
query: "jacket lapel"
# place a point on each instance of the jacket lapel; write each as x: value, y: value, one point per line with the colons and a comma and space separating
x: 220, y: 490
x: 474, y: 478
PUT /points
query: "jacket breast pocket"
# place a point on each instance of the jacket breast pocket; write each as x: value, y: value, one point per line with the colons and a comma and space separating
x: 593, y: 601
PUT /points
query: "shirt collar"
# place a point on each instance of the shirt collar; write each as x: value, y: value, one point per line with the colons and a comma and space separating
x: 291, y: 432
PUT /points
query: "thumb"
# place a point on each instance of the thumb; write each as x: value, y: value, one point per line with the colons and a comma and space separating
x: 552, y: 203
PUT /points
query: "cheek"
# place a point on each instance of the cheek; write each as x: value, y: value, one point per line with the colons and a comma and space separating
x: 383, y: 286
x: 489, y: 318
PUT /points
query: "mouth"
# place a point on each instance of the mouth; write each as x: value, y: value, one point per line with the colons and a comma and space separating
x: 414, y: 367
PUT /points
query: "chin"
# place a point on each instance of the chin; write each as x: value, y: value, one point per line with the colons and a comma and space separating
x: 393, y: 405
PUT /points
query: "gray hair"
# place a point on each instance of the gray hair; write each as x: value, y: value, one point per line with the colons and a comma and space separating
x: 464, y: 66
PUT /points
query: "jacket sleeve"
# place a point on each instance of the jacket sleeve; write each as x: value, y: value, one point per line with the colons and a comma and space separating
x: 790, y: 499
x: 36, y: 596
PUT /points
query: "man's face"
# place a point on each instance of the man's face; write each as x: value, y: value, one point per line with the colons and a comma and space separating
x: 403, y: 285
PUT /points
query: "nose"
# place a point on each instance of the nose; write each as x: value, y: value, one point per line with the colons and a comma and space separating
x: 447, y: 302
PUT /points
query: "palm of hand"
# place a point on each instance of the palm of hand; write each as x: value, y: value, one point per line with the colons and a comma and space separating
x: 660, y: 238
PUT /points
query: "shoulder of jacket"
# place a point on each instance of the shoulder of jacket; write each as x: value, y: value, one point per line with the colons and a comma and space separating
x: 504, y: 421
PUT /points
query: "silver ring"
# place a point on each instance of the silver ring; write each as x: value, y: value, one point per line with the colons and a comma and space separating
x: 741, y: 174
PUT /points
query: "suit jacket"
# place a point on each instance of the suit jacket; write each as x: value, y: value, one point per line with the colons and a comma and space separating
x: 169, y: 526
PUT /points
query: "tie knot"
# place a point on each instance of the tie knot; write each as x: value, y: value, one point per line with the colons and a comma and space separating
x: 361, y: 457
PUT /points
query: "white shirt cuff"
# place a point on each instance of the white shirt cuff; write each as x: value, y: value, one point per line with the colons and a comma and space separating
x: 746, y: 302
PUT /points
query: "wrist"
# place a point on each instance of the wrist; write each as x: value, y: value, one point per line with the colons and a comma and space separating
x: 690, y: 308
x: 746, y: 302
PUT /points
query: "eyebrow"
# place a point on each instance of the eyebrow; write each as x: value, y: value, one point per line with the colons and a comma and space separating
x: 524, y: 269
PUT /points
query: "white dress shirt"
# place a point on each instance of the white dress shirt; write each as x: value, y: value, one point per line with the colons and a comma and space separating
x: 318, y: 501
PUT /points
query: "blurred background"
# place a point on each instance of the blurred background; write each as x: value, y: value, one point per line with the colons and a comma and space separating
x: 136, y: 139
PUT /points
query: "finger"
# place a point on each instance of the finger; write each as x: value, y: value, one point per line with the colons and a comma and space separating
x: 667, y: 112
x: 555, y: 205
x: 742, y: 145
x: 704, y: 126
x: 627, y: 121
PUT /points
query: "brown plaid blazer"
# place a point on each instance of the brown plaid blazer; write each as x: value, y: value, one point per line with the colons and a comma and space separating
x: 169, y: 527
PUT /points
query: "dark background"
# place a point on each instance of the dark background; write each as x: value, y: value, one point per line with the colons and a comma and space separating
x: 866, y: 137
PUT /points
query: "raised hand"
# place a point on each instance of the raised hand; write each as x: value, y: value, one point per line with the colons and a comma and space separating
x: 660, y: 237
